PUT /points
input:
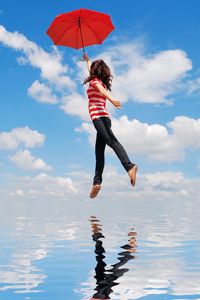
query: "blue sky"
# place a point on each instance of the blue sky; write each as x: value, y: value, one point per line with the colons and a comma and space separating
x: 154, y: 56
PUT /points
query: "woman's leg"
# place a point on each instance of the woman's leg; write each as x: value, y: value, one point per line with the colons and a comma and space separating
x: 100, y: 159
x: 103, y: 127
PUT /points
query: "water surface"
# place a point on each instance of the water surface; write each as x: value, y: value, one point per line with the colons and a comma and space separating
x: 119, y: 248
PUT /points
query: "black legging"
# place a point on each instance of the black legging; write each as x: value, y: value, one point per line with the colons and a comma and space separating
x: 106, y: 136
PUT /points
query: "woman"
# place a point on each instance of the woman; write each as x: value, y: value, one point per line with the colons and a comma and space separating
x: 99, y: 80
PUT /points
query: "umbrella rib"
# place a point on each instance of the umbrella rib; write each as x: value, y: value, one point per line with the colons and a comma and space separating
x: 92, y: 31
x: 77, y: 36
x: 64, y: 32
x: 99, y: 21
x: 81, y: 34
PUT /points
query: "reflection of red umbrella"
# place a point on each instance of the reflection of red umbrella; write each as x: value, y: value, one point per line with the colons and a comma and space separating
x: 80, y: 28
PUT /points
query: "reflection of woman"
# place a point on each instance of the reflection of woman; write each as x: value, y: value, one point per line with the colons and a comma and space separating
x: 99, y: 80
x: 106, y: 279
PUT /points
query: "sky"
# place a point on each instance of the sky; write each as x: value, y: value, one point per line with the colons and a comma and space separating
x: 46, y: 136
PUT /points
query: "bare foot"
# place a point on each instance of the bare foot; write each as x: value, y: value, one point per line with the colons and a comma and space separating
x: 94, y: 191
x: 132, y: 174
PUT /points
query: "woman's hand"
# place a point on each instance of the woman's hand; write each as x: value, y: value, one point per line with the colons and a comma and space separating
x: 85, y: 56
x: 116, y: 103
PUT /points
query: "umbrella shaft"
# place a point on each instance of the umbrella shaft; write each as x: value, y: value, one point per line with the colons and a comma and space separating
x: 79, y: 23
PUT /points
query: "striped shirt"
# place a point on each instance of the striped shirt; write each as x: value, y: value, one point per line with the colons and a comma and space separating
x: 97, y: 102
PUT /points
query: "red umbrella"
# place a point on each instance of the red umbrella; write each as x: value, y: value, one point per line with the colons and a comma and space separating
x: 80, y: 28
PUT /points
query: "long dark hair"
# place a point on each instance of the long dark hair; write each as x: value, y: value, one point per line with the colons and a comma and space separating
x: 100, y: 70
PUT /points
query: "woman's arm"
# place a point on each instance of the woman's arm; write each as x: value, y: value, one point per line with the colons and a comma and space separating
x: 99, y: 87
x: 105, y: 93
x: 86, y: 58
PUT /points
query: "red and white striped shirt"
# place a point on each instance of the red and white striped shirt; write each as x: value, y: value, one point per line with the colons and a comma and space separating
x: 97, y: 102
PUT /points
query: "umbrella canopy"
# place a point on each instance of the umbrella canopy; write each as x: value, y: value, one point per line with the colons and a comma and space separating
x: 80, y: 28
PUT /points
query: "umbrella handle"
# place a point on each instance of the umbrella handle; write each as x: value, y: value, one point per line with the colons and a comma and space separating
x: 81, y: 58
x: 79, y: 23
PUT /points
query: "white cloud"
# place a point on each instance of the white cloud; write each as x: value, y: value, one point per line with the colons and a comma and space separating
x: 76, y: 105
x: 144, y: 78
x: 49, y: 63
x: 193, y: 85
x: 155, y: 142
x: 60, y: 182
x: 42, y: 93
x: 25, y: 160
x: 89, y: 129
x: 42, y: 185
x: 20, y: 193
x: 168, y: 179
x: 186, y: 131
x: 158, y: 185
x: 21, y: 136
